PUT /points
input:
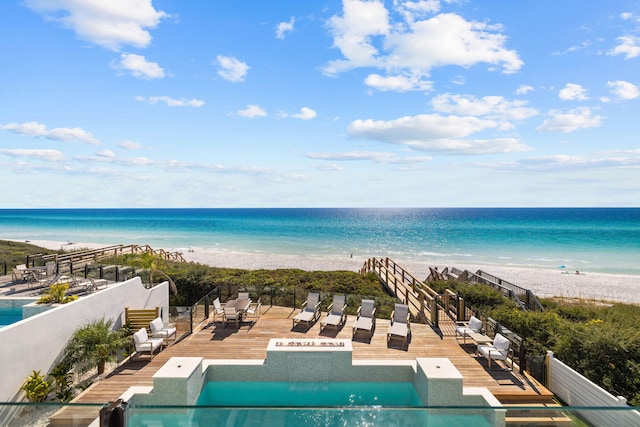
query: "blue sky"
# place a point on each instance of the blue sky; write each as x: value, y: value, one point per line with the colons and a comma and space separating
x: 249, y: 103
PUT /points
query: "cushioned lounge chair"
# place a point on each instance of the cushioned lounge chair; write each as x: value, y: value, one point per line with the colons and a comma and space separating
x: 337, y: 315
x: 400, y: 327
x: 144, y: 344
x: 499, y: 350
x: 310, y: 311
x: 464, y: 329
x: 159, y: 330
x: 366, y: 318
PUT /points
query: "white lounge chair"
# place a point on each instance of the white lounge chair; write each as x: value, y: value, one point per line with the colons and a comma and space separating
x: 499, y: 350
x: 366, y: 318
x: 464, y: 329
x: 400, y: 326
x: 311, y: 310
x: 144, y: 344
x: 159, y: 330
x: 243, y: 295
x: 337, y: 315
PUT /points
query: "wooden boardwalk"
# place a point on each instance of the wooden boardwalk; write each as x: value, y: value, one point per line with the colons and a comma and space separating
x: 214, y: 341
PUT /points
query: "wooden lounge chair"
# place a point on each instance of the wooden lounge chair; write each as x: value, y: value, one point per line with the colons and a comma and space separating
x: 464, y: 329
x: 366, y: 318
x: 337, y: 315
x: 159, y: 330
x: 400, y: 326
x: 144, y: 344
x: 310, y: 311
x: 499, y: 350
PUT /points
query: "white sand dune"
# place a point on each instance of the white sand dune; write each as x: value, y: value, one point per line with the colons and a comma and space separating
x: 543, y: 282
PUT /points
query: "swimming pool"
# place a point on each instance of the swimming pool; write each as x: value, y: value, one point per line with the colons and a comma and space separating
x: 11, y: 311
x: 301, y: 394
x: 304, y: 382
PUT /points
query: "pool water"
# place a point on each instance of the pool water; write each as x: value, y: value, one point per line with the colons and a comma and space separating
x: 303, y: 394
x: 9, y: 315
x: 370, y: 404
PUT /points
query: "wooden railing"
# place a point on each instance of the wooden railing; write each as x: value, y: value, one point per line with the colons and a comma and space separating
x: 64, y: 260
x: 425, y: 304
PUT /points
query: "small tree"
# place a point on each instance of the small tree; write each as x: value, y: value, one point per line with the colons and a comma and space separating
x: 94, y: 345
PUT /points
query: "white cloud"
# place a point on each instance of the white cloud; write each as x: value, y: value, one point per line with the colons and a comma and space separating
x: 139, y: 67
x: 232, y: 69
x: 284, y: 27
x: 397, y: 83
x: 524, y: 89
x: 366, y: 38
x: 171, y: 102
x: 580, y: 118
x: 110, y: 24
x: 108, y: 154
x: 629, y: 47
x: 58, y: 134
x: 437, y: 133
x: 305, y: 113
x: 624, y: 90
x: 46, y: 155
x: 252, y: 111
x: 573, y: 92
x: 488, y: 106
x: 130, y: 145
x: 371, y: 156
x: 413, y: 10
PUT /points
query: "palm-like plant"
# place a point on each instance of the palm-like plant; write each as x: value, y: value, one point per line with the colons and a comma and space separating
x: 94, y: 345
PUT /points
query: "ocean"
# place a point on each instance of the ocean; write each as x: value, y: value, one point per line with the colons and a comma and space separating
x: 587, y: 239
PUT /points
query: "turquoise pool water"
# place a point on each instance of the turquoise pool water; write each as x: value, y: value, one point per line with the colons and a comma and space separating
x: 9, y: 316
x: 11, y: 311
x: 231, y: 404
x: 308, y: 394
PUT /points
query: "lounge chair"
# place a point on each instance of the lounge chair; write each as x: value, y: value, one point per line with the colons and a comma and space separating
x: 218, y: 310
x: 499, y: 350
x: 232, y: 315
x: 366, y: 318
x: 464, y: 329
x: 400, y: 326
x: 145, y: 344
x: 337, y: 315
x: 310, y: 311
x: 159, y: 330
x: 243, y: 295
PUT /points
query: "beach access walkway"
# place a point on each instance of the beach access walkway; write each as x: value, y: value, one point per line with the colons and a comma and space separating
x: 214, y: 341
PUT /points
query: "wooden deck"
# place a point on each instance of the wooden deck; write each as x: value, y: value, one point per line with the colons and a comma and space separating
x: 214, y: 341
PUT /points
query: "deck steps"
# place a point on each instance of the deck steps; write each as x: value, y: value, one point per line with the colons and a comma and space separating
x: 535, y: 414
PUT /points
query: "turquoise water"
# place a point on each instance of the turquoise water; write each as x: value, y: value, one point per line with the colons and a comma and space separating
x: 585, y: 239
x: 300, y: 394
x: 9, y: 316
x: 11, y: 311
x: 304, y: 404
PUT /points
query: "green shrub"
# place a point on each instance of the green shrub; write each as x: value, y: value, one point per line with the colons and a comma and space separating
x: 36, y: 387
x: 57, y: 294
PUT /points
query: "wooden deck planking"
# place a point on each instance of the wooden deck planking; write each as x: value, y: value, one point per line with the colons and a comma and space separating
x: 214, y: 341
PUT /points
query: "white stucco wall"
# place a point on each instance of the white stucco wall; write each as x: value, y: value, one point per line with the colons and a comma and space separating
x: 36, y: 342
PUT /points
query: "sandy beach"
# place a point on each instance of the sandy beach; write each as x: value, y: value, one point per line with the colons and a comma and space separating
x: 543, y: 282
